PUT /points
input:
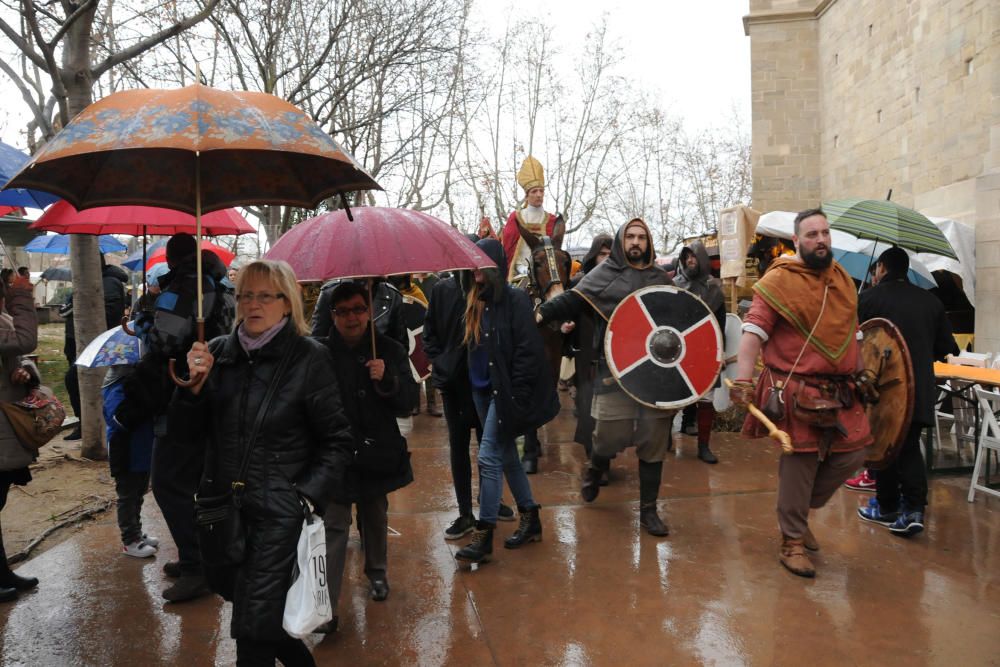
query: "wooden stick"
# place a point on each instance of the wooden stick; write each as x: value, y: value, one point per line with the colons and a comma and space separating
x: 773, y: 431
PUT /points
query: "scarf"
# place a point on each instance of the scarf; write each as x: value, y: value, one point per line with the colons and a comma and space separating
x: 251, y: 343
x: 796, y: 292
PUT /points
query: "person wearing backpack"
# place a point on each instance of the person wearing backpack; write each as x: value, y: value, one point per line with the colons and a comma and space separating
x: 168, y: 332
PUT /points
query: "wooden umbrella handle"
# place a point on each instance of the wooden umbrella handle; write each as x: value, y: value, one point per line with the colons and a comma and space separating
x: 773, y: 431
x: 126, y: 328
x: 186, y: 382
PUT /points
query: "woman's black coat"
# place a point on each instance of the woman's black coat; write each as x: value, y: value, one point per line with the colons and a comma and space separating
x: 372, y: 408
x: 304, y: 447
x: 523, y: 389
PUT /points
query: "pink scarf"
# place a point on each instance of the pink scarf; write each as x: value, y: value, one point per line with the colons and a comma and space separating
x: 251, y: 343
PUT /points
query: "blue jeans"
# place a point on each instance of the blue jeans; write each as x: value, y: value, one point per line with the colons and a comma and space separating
x: 497, y: 457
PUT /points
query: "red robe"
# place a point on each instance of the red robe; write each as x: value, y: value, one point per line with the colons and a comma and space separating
x: 512, y: 238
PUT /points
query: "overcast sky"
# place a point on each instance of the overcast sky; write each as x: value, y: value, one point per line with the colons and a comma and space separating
x: 693, y: 53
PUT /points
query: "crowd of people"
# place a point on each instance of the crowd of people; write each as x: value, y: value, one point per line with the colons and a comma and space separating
x: 298, y: 415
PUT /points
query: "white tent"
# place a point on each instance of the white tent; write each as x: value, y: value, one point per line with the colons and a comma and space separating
x: 961, y: 237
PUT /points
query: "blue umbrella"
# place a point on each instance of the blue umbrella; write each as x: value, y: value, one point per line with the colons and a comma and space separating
x: 114, y: 347
x: 58, y: 244
x: 11, y: 161
x: 856, y: 264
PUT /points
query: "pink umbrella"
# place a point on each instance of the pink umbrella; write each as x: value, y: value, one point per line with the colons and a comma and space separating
x: 378, y: 242
x: 63, y: 218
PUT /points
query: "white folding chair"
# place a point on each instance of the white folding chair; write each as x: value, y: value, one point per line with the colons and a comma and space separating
x: 963, y: 405
x: 989, y: 439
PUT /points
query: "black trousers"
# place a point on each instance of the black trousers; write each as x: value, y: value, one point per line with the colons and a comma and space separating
x: 532, y: 446
x: 906, y: 477
x: 130, y: 488
x: 290, y: 651
x: 176, y: 474
x: 460, y: 415
x: 72, y: 381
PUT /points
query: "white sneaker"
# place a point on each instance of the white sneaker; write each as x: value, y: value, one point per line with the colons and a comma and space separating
x: 151, y: 541
x: 139, y: 549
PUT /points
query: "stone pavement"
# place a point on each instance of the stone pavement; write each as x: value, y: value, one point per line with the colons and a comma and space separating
x: 595, y: 591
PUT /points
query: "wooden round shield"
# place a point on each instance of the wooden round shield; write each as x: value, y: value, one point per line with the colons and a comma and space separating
x: 885, y: 354
x: 413, y: 313
x: 664, y: 347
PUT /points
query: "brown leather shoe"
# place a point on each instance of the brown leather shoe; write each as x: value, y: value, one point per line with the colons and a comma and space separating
x: 793, y: 556
x: 809, y: 540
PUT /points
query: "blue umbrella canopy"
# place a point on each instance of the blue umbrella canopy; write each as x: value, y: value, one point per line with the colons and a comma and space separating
x: 134, y: 261
x: 58, y: 244
x: 11, y: 161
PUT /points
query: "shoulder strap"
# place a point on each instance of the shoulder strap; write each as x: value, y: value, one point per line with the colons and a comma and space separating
x: 265, y: 406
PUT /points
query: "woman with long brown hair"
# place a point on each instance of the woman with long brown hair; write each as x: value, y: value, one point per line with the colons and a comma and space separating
x: 513, y: 392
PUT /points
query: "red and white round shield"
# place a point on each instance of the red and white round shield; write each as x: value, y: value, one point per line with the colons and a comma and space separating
x: 664, y: 347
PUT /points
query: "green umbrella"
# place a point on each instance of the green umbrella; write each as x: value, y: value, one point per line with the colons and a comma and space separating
x: 884, y: 220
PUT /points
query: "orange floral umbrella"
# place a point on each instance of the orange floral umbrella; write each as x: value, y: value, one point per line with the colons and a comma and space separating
x: 167, y: 148
x: 195, y: 149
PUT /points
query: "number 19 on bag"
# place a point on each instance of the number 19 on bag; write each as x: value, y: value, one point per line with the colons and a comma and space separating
x: 307, y: 605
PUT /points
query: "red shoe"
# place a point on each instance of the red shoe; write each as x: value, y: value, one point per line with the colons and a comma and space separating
x: 863, y: 482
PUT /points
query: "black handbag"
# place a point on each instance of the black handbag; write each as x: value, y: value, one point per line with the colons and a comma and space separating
x: 379, y: 458
x: 218, y: 518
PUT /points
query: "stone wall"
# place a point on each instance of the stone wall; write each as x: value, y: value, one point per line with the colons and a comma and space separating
x: 854, y: 97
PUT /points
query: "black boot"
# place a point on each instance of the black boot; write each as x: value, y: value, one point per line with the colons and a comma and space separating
x: 705, y: 454
x: 481, y: 547
x: 592, y: 477
x: 529, y: 530
x: 9, y: 580
x: 7, y: 594
x: 650, y: 474
x: 650, y: 520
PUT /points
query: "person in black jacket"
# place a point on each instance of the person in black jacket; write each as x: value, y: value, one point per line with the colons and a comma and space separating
x: 444, y: 330
x: 113, y: 279
x: 168, y: 332
x: 300, y: 457
x: 376, y: 386
x: 901, y: 489
x: 513, y: 392
x: 694, y: 273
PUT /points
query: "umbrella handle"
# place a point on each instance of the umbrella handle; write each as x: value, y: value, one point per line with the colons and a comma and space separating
x: 188, y: 382
x: 125, y: 327
x: 180, y: 382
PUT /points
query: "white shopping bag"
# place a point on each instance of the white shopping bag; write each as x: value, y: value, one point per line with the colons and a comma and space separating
x: 307, y: 605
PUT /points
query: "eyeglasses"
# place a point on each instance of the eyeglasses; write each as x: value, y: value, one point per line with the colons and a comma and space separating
x: 264, y: 298
x: 344, y: 312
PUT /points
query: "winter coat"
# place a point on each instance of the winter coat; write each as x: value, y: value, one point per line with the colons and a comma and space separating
x: 372, y: 408
x: 18, y: 336
x: 523, y: 389
x: 113, y: 281
x: 134, y: 451
x: 922, y: 321
x: 303, y: 449
x: 444, y: 329
x: 168, y: 333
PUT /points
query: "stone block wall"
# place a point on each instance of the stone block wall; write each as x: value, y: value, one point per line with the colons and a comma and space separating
x: 854, y: 97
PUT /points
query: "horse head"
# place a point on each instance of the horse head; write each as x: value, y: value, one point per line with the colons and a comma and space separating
x: 550, y: 264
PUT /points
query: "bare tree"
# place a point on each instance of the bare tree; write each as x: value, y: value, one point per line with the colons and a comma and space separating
x: 60, y: 40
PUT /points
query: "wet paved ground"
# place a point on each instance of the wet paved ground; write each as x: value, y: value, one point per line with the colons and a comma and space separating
x: 595, y: 591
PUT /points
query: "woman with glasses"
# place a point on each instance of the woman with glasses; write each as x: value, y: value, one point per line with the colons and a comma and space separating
x: 513, y: 392
x: 377, y: 386
x: 302, y: 449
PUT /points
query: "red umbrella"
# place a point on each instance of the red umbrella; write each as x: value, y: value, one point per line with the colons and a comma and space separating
x: 378, y: 242
x: 160, y: 254
x: 63, y: 218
